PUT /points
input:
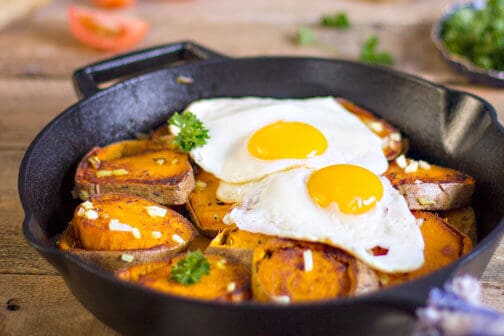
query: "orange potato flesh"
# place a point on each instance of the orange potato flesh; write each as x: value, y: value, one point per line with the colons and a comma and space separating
x: 138, y: 158
x: 279, y: 271
x: 95, y: 234
x: 393, y: 147
x: 443, y: 245
x: 214, y: 286
x: 205, y: 209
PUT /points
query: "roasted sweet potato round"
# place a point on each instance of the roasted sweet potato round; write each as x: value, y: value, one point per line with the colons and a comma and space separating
x: 205, y: 209
x: 286, y: 271
x: 114, y: 229
x: 444, y: 244
x: 227, y: 280
x: 145, y: 168
x: 430, y: 187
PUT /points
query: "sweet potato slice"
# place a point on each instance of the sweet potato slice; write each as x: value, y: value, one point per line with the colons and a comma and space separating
x: 205, y: 209
x: 237, y: 244
x: 443, y: 245
x: 464, y: 219
x: 114, y: 230
x: 286, y: 271
x: 228, y: 280
x: 429, y: 187
x: 392, y: 141
x: 140, y: 167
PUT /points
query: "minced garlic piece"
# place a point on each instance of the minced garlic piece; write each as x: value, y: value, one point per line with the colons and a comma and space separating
x: 87, y: 205
x: 201, y: 185
x: 420, y: 221
x: 395, y: 136
x: 83, y: 195
x: 401, y: 161
x: 308, y: 260
x: 283, y: 299
x: 231, y: 286
x: 184, y: 80
x: 115, y: 225
x: 120, y: 172
x: 424, y: 200
x: 91, y: 214
x: 94, y: 161
x: 221, y: 263
x: 127, y: 257
x: 424, y: 164
x: 81, y: 212
x: 174, y: 161
x: 177, y: 239
x: 103, y: 173
x: 156, y: 234
x: 375, y: 126
x: 156, y: 211
x: 412, y: 167
x: 159, y: 161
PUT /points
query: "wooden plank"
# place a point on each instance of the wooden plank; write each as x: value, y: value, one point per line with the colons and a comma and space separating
x: 216, y: 19
x: 28, y: 105
x: 42, y: 305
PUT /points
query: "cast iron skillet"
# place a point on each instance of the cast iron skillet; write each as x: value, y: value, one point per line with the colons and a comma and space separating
x: 448, y: 127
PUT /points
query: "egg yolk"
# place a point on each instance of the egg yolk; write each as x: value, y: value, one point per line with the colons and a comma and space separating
x: 354, y: 189
x: 287, y: 140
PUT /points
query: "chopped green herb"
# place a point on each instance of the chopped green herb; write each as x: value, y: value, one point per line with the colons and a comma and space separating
x: 190, y: 269
x: 192, y: 133
x: 368, y: 53
x: 477, y: 34
x: 338, y: 20
x: 305, y: 36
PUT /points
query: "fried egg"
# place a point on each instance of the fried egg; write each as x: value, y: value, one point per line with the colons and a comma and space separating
x: 252, y: 137
x: 342, y: 205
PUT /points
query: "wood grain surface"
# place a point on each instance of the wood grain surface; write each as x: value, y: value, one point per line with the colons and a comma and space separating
x: 39, y: 55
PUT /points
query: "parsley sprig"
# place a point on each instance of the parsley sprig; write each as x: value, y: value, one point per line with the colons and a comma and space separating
x: 338, y: 20
x: 368, y: 53
x: 190, y: 269
x: 192, y: 131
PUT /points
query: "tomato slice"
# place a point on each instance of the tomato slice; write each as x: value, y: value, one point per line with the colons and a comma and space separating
x: 105, y: 31
x: 114, y: 3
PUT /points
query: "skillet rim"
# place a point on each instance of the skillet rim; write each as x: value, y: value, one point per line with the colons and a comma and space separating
x: 380, y: 296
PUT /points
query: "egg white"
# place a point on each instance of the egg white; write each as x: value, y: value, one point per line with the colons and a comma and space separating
x: 232, y: 121
x: 280, y: 205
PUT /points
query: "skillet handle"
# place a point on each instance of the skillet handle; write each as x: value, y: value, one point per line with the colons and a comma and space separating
x: 87, y: 79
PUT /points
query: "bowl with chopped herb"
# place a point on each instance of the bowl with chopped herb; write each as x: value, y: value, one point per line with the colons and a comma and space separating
x: 470, y: 37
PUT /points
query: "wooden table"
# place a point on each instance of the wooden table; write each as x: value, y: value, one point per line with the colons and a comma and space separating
x: 37, y: 60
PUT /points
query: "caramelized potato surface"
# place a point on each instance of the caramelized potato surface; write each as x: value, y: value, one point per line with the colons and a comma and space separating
x: 141, y: 167
x: 286, y: 271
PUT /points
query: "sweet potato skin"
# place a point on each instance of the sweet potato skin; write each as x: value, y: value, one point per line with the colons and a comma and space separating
x: 437, y: 188
x: 391, y: 136
x: 214, y: 287
x: 444, y: 244
x: 278, y: 271
x: 167, y: 183
x: 205, y: 209
x: 237, y: 244
x: 463, y: 219
x: 93, y: 241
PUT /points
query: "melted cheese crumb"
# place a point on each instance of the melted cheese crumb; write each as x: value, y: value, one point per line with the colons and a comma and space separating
x: 231, y: 286
x: 177, y: 239
x: 156, y: 211
x: 91, y: 214
x: 283, y: 299
x: 308, y: 260
x: 401, y: 161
